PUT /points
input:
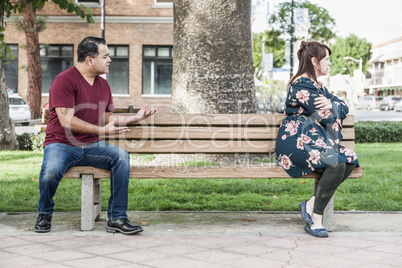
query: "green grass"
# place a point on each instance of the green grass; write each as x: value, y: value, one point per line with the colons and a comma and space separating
x: 378, y: 190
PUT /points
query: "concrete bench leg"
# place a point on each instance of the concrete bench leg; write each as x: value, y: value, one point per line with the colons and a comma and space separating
x: 90, y: 202
x: 328, y: 217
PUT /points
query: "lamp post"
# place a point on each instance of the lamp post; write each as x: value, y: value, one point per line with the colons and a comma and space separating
x: 360, y: 61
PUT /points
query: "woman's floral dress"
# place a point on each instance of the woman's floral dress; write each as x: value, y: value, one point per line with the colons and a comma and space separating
x: 309, y: 138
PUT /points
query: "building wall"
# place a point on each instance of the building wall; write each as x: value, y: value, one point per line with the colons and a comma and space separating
x: 386, y: 65
x: 128, y: 22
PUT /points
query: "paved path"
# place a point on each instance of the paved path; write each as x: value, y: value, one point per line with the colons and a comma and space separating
x: 204, y: 240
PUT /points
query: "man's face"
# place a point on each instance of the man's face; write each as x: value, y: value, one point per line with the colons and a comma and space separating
x: 102, y: 61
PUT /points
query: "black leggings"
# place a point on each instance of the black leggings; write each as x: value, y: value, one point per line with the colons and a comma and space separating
x: 331, y: 178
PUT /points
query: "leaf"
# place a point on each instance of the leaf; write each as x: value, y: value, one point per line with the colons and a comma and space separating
x: 144, y: 223
x: 249, y: 220
x: 266, y: 203
x: 302, y: 181
x: 33, y: 179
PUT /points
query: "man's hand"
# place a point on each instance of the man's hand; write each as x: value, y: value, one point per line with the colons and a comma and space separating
x: 112, y: 129
x: 143, y: 113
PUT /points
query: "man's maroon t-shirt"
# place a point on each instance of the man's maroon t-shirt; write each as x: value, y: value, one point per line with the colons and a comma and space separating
x: 71, y: 90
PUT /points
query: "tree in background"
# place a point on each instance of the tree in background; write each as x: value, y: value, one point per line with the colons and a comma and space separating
x: 274, y: 44
x: 321, y: 23
x: 28, y: 9
x: 212, y: 57
x: 351, y: 46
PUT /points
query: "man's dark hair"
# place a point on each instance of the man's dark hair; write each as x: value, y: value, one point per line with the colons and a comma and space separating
x: 89, y: 47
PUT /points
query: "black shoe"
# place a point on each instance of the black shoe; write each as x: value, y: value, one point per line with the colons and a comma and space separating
x: 123, y: 226
x: 42, y: 224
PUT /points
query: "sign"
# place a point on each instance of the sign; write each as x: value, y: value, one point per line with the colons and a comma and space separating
x: 302, y: 22
x: 268, y: 62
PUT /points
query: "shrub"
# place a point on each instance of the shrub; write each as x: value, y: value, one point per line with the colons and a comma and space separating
x: 31, y: 142
x: 24, y: 141
x: 38, y: 140
x: 384, y: 131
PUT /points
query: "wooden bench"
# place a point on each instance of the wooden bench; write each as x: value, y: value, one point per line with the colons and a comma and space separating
x: 227, y: 134
x: 45, y: 115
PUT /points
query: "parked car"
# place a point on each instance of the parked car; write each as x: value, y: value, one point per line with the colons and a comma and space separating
x: 369, y: 102
x: 388, y: 103
x: 19, y: 110
x: 398, y: 106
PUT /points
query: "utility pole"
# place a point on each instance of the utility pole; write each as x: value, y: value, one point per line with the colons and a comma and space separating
x: 292, y: 31
x: 103, y: 18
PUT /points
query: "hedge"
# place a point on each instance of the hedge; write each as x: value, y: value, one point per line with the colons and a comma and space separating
x: 383, y: 131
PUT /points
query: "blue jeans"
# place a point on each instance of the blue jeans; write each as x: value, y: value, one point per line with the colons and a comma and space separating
x: 59, y: 157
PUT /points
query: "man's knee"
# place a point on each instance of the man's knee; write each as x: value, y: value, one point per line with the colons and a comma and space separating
x: 122, y: 156
x: 51, y: 174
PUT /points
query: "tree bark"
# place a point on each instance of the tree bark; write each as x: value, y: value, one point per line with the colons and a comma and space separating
x: 7, y: 130
x: 34, y: 94
x: 212, y: 57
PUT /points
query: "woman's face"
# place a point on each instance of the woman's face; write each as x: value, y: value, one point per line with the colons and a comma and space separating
x: 322, y: 68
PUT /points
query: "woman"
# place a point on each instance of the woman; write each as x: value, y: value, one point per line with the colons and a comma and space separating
x: 309, y: 137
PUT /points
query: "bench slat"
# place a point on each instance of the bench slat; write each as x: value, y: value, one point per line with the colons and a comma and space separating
x: 217, y: 133
x: 202, y: 146
x: 183, y: 172
x: 171, y: 119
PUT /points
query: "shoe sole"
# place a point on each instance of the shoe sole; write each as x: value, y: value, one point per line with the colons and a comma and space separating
x: 116, y: 230
x: 42, y: 231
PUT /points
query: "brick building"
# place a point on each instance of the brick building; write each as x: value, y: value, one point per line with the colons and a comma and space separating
x: 139, y: 34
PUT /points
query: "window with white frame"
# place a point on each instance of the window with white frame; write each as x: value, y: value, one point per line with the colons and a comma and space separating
x: 118, y: 75
x: 11, y: 67
x: 157, y: 63
x: 89, y: 3
x: 163, y: 4
x: 54, y: 59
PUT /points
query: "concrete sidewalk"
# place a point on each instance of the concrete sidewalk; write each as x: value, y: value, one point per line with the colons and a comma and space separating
x: 209, y: 239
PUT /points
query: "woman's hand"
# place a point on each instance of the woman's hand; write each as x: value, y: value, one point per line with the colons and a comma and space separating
x: 322, y: 102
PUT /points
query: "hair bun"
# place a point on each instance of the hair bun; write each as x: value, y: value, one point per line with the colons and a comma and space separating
x: 303, y: 44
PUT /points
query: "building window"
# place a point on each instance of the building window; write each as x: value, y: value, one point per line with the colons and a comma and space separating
x: 163, y: 4
x: 88, y: 3
x: 157, y: 64
x: 118, y: 75
x: 54, y: 59
x: 11, y: 68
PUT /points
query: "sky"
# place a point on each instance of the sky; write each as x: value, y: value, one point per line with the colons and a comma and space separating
x: 376, y: 20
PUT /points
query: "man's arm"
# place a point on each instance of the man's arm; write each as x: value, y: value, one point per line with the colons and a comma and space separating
x: 68, y: 120
x: 121, y: 120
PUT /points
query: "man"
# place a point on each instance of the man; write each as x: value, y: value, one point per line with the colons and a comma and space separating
x: 81, y: 108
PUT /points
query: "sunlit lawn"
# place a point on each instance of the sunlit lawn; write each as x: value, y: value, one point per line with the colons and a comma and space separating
x: 378, y: 190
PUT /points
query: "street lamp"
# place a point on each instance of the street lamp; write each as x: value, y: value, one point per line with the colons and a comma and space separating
x: 360, y: 61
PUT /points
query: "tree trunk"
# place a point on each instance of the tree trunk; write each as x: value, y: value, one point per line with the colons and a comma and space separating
x: 212, y: 57
x: 34, y: 95
x: 7, y: 131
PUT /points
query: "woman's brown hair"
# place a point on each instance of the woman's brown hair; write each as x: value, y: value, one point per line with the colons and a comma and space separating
x: 307, y: 51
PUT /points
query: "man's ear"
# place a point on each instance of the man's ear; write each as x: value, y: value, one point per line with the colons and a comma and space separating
x: 88, y: 60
